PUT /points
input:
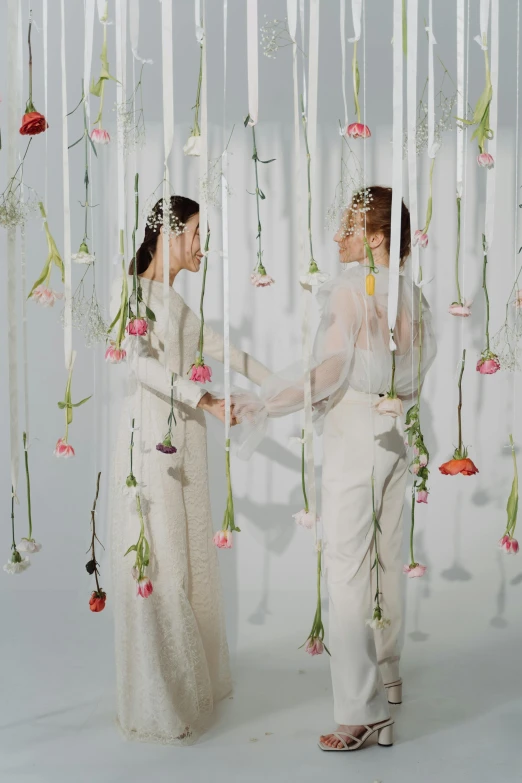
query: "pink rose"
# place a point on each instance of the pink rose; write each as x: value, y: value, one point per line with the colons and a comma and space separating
x: 223, y: 539
x: 45, y: 296
x: 144, y: 587
x: 415, y: 467
x: 460, y: 309
x: 358, y: 131
x: 115, y: 355
x: 422, y: 496
x: 488, y: 366
x: 200, y: 373
x: 509, y: 544
x: 63, y: 449
x: 137, y: 326
x: 416, y: 569
x: 421, y: 238
x: 389, y: 406
x: 314, y: 646
x: 423, y: 460
x: 485, y: 160
x: 100, y: 136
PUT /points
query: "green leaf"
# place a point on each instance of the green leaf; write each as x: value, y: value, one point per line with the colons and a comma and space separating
x: 42, y: 277
x: 150, y: 314
x: 266, y: 161
x: 93, y: 145
x: 261, y: 194
x: 130, y: 549
x: 75, y: 143
x: 62, y: 405
x: 247, y: 120
x: 512, y: 504
x: 116, y: 319
x: 77, y: 404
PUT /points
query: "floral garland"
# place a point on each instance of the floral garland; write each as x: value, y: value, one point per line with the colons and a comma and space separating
x: 259, y: 277
x: 98, y: 596
x: 460, y: 462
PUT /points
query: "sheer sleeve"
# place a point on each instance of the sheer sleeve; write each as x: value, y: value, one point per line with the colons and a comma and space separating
x: 413, y: 341
x: 239, y: 360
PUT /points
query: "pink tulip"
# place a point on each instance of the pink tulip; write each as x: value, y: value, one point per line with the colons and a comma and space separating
x: 144, y: 587
x: 421, y: 238
x: 508, y: 544
x: 485, y: 160
x: 358, y: 131
x: 422, y: 496
x: 63, y: 449
x: 100, y: 136
x: 45, y: 296
x: 460, y: 309
x: 137, y: 326
x: 223, y: 539
x: 423, y: 460
x: 314, y: 646
x: 115, y: 355
x: 200, y: 373
x: 416, y: 569
x: 488, y: 366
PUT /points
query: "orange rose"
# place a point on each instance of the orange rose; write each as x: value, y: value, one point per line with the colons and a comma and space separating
x: 33, y: 123
x: 455, y: 466
x: 97, y: 601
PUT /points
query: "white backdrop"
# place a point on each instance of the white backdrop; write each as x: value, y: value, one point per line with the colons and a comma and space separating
x: 458, y: 530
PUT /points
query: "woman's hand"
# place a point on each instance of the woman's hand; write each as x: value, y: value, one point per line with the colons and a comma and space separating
x: 216, y: 407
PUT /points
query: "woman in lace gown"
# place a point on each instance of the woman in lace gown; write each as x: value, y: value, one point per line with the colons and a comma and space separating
x: 350, y: 376
x: 171, y: 650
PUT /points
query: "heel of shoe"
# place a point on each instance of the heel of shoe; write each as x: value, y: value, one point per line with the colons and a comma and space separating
x: 385, y: 736
x: 394, y: 694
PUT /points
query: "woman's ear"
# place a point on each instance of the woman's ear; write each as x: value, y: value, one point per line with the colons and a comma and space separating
x: 376, y: 240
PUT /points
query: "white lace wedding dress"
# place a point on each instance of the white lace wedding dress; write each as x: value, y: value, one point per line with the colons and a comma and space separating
x: 171, y: 651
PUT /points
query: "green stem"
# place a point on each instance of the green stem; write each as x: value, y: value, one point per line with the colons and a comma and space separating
x: 134, y: 230
x: 259, y: 229
x: 419, y: 363
x: 355, y: 72
x: 201, y: 312
x: 28, y: 481
x: 30, y: 103
x: 458, y: 253
x: 412, y: 521
x: 303, y: 482
x: 308, y: 171
x: 86, y: 177
x: 393, y: 393
x: 459, y: 409
x: 196, y: 130
x: 131, y: 446
x: 375, y: 541
x: 13, y: 546
x: 429, y: 208
x: 484, y: 286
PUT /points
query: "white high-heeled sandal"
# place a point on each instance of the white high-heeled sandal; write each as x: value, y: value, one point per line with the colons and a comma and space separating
x: 385, y: 737
x: 394, y: 691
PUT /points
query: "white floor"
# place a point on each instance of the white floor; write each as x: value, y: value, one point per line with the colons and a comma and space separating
x: 461, y: 719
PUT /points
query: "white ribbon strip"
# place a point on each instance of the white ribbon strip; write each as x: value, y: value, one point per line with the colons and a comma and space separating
x: 168, y: 138
x: 482, y: 39
x: 291, y: 15
x: 46, y: 92
x: 515, y: 205
x: 23, y: 246
x: 102, y: 4
x: 203, y: 155
x: 460, y: 96
x: 432, y: 147
x: 356, y: 16
x: 120, y: 99
x: 302, y: 26
x: 411, y: 76
x: 13, y: 124
x: 491, y: 175
x: 87, y: 52
x: 134, y: 30
x: 342, y: 27
x: 67, y: 315
x: 253, y: 62
x: 199, y: 27
x: 224, y: 223
x: 395, y: 238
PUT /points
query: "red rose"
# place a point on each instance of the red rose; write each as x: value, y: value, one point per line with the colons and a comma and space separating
x: 33, y: 123
x: 455, y: 466
x: 97, y: 601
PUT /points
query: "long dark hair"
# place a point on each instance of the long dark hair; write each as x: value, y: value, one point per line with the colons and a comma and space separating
x: 181, y: 210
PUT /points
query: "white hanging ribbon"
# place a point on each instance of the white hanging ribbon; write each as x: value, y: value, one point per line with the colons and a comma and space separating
x: 168, y: 138
x: 102, y: 4
x: 515, y: 205
x: 291, y: 15
x: 491, y: 174
x: 253, y: 62
x: 67, y: 315
x: 302, y: 26
x: 224, y: 224
x: 356, y: 16
x: 199, y: 27
x: 134, y: 30
x: 120, y: 99
x: 460, y: 96
x: 342, y: 26
x: 13, y: 122
x: 87, y: 52
x: 411, y: 76
x: 482, y: 39
x: 203, y: 155
x: 395, y: 238
x: 432, y: 146
x: 46, y: 92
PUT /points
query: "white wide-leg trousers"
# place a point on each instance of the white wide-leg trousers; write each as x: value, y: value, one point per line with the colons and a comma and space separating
x: 357, y: 439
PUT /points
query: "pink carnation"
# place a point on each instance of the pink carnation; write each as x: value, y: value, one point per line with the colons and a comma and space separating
x: 304, y: 518
x: 223, y: 539
x: 261, y: 281
x: 422, y: 496
x: 144, y: 587
x: 115, y: 355
x: 45, y: 296
x: 63, y: 449
x: 200, y: 373
x: 358, y: 131
x: 460, y: 309
x: 485, y: 160
x: 137, y: 326
x: 421, y: 238
x: 100, y: 136
x: 488, y: 366
x: 314, y: 646
x: 414, y: 570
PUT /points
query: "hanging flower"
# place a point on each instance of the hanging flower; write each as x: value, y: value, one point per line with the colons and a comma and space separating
x: 144, y: 587
x: 16, y: 564
x: 488, y: 363
x: 100, y: 136
x: 137, y: 326
x: 166, y: 446
x: 83, y: 256
x: 485, y: 160
x: 305, y: 519
x: 115, y: 355
x: 518, y: 299
x: 33, y: 122
x: 508, y: 542
x: 377, y: 621
x: 420, y: 238
x: 40, y: 291
x: 414, y: 569
x: 314, y: 646
x: 200, y: 372
x: 422, y: 496
x: 63, y: 449
x: 260, y: 279
x: 29, y: 545
x: 223, y: 539
x: 421, y: 234
x: 314, y: 276
x: 97, y: 601
x: 463, y: 310
x: 193, y: 146
x: 389, y: 406
x: 460, y: 462
x: 358, y: 131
